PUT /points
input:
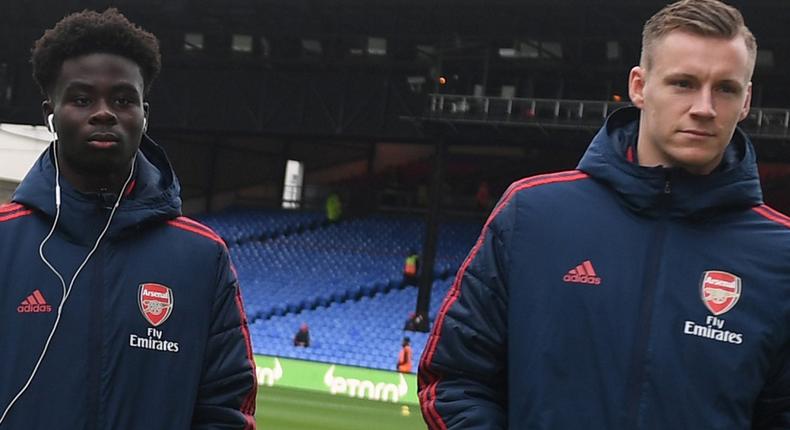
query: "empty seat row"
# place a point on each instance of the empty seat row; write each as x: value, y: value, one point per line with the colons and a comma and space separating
x: 365, y: 332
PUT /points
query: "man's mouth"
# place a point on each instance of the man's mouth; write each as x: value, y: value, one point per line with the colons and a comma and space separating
x: 697, y: 133
x: 103, y: 140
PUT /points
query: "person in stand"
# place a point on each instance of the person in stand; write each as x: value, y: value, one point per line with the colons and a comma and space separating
x: 116, y: 312
x: 334, y: 208
x: 302, y: 337
x: 405, y: 356
x: 649, y: 288
x: 483, y: 197
x: 411, y: 268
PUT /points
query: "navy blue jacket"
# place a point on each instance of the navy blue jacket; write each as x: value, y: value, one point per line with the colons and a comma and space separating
x: 153, y: 334
x: 619, y: 297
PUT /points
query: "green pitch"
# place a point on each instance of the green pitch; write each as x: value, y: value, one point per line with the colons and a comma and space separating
x: 290, y: 409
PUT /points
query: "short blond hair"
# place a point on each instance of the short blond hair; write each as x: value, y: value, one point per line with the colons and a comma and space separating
x: 710, y: 18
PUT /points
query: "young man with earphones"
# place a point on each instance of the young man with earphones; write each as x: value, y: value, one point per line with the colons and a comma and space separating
x: 115, y: 311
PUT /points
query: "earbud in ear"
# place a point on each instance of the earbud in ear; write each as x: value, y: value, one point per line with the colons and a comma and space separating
x: 51, y: 122
x: 145, y: 124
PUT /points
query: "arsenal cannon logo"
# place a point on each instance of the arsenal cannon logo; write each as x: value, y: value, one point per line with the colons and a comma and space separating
x: 156, y: 303
x: 720, y: 291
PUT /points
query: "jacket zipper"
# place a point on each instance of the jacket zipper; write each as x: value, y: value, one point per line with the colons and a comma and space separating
x: 636, y: 380
x: 95, y: 335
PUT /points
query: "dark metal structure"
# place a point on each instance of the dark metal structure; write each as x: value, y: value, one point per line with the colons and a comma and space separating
x: 352, y: 67
x: 248, y: 84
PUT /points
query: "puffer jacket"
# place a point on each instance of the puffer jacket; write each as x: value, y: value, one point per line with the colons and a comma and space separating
x: 619, y: 297
x: 153, y: 334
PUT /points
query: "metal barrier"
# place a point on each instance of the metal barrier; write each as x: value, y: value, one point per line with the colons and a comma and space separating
x: 564, y: 113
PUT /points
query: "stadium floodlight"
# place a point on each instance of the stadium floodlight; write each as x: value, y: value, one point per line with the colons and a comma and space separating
x: 193, y: 42
x: 551, y: 50
x: 377, y: 46
x: 416, y: 83
x: 242, y: 43
x: 527, y: 49
x: 312, y: 47
x: 507, y: 52
x: 531, y: 49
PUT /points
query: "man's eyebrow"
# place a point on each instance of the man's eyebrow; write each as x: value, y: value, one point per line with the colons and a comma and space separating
x: 85, y: 86
x: 681, y: 75
x: 78, y: 85
x: 125, y: 86
x: 734, y: 82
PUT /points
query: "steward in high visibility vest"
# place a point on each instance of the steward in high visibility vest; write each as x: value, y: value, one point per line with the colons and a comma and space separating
x: 404, y: 357
x: 411, y: 268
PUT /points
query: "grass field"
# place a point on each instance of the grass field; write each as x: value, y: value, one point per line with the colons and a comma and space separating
x: 289, y: 409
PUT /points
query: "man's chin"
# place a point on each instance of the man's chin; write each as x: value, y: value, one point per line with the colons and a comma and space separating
x: 695, y: 158
x: 699, y: 165
x: 101, y: 169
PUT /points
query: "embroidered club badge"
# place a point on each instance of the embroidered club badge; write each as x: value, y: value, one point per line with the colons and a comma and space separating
x: 720, y: 291
x: 156, y: 302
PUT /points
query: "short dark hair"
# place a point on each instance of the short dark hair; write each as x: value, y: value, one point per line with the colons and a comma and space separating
x: 90, y: 32
x: 711, y: 18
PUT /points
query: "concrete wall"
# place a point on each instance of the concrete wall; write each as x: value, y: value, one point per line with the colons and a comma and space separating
x: 6, y: 189
x: 20, y: 147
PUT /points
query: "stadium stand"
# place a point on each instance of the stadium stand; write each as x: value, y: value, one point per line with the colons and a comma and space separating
x: 344, y: 280
x: 365, y: 332
x: 240, y: 225
x: 338, y: 262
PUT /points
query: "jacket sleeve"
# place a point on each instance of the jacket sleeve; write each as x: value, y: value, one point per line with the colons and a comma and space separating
x: 772, y: 410
x: 462, y: 373
x: 227, y: 393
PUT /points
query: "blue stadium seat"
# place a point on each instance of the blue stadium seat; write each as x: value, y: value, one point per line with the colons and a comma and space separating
x: 343, y: 279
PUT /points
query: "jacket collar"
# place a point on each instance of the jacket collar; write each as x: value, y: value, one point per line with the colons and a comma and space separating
x: 654, y: 190
x: 155, y: 195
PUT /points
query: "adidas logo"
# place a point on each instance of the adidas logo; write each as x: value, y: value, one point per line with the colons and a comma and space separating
x: 34, y: 303
x: 582, y: 274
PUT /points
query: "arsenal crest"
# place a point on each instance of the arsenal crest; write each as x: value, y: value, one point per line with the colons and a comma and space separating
x: 156, y: 303
x: 720, y: 291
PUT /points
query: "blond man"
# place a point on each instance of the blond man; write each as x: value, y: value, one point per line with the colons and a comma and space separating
x: 649, y: 288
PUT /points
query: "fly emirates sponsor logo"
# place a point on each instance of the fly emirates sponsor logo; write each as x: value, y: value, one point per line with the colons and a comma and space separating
x: 153, y: 341
x: 156, y: 305
x: 720, y: 292
x: 712, y: 329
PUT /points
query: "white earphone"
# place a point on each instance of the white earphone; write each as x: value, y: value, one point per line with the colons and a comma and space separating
x: 51, y: 126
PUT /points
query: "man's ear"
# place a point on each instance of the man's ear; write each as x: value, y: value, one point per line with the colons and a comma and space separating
x: 636, y: 86
x: 146, y: 111
x: 746, y: 103
x: 47, y: 109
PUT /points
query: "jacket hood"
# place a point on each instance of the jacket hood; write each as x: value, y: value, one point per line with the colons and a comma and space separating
x: 652, y: 190
x: 152, y: 195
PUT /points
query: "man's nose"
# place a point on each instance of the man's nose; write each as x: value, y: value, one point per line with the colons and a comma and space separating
x: 703, y: 104
x: 103, y: 114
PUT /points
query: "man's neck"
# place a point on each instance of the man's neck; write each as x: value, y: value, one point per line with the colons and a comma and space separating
x: 87, y: 183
